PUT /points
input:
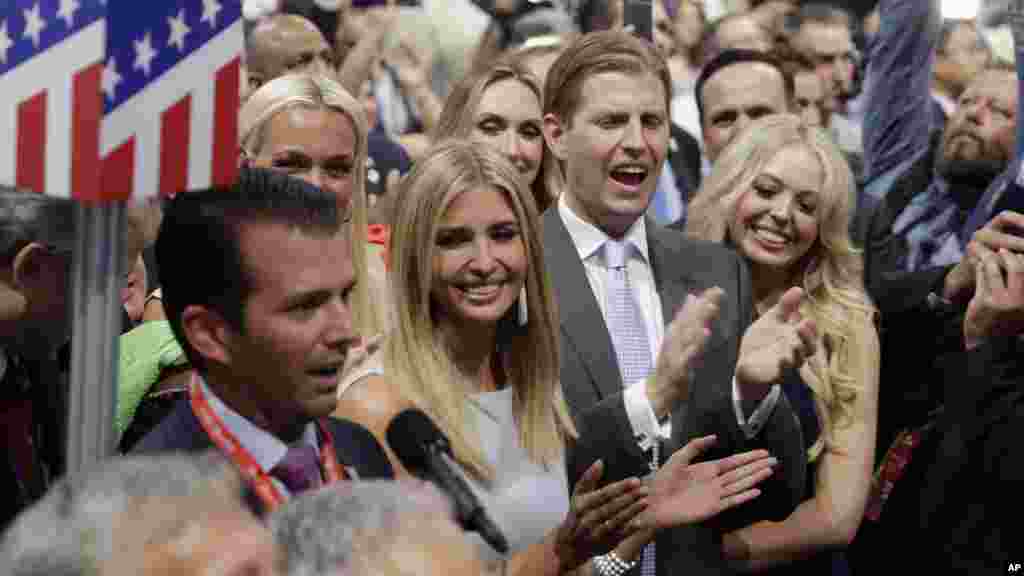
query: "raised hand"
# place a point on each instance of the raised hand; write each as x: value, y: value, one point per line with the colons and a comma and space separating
x: 685, y: 339
x: 997, y: 308
x: 598, y: 518
x: 411, y: 67
x: 1004, y: 230
x: 684, y: 493
x: 780, y: 340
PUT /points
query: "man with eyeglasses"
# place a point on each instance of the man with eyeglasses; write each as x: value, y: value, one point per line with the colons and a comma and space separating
x: 36, y: 237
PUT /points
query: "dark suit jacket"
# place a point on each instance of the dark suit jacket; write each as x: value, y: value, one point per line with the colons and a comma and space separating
x: 355, y: 446
x: 960, y: 495
x: 971, y: 501
x: 593, y: 385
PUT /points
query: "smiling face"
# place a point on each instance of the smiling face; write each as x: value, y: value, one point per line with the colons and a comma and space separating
x: 776, y: 221
x: 479, y: 258
x: 297, y: 322
x: 317, y: 145
x: 509, y: 118
x: 613, y: 146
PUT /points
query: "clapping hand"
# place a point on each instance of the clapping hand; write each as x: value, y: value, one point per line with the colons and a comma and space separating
x: 685, y: 339
x: 997, y: 308
x: 778, y: 341
x: 1001, y: 232
x: 684, y: 493
x: 598, y: 518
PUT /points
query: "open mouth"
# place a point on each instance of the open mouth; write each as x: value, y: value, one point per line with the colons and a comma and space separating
x: 630, y: 176
x: 329, y: 372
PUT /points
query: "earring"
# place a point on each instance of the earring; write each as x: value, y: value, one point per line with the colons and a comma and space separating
x: 524, y: 313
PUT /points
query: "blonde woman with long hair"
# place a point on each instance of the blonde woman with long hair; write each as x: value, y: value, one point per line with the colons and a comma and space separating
x: 310, y: 127
x: 782, y: 195
x: 475, y: 346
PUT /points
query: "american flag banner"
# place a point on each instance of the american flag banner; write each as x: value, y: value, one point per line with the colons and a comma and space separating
x: 51, y: 55
x: 170, y: 84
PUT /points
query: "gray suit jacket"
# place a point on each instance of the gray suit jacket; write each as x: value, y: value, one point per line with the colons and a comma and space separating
x: 593, y: 386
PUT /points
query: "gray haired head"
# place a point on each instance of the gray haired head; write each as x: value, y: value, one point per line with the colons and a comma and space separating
x: 27, y: 217
x: 319, y: 533
x: 71, y: 530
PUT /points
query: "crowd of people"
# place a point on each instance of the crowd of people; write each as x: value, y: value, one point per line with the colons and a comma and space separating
x: 746, y: 297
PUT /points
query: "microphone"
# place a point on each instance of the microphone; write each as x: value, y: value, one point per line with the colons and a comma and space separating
x: 425, y: 451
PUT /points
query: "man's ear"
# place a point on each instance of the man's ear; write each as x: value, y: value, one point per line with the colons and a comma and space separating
x: 208, y: 333
x: 255, y: 80
x: 28, y: 266
x: 554, y: 135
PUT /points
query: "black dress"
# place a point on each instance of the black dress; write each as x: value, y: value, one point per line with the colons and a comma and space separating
x: 802, y: 399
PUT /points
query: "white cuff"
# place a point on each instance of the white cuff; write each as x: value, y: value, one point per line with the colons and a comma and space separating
x: 641, y: 414
x: 752, y: 427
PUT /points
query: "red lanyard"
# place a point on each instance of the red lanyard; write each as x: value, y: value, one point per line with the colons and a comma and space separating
x: 228, y: 444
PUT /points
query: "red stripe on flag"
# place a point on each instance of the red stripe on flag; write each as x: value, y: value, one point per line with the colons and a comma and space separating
x: 174, y: 149
x: 85, y: 134
x: 225, y: 124
x: 31, y: 144
x: 119, y: 172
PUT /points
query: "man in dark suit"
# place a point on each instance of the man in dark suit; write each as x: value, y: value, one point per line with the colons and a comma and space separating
x: 255, y: 282
x: 955, y: 484
x: 630, y: 380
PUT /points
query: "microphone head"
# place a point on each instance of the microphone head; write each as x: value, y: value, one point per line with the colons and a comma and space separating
x: 412, y: 435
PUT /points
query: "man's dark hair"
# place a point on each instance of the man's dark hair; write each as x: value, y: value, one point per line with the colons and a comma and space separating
x: 26, y: 217
x: 199, y: 253
x: 733, y: 57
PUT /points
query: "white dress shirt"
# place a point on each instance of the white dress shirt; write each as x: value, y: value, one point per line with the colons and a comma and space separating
x: 589, y: 241
x: 264, y: 447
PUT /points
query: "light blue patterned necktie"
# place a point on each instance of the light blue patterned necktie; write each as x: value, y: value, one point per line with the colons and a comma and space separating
x: 630, y: 338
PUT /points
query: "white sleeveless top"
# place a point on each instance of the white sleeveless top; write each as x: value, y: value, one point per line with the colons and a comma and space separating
x: 526, y: 500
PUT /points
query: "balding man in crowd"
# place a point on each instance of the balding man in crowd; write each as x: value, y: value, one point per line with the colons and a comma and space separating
x: 373, y: 528
x: 286, y: 43
x: 167, y: 515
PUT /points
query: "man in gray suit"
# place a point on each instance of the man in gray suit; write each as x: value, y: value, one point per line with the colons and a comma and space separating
x: 638, y: 385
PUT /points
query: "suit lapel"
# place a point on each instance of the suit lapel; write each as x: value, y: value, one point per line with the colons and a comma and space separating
x: 673, y: 285
x: 579, y: 314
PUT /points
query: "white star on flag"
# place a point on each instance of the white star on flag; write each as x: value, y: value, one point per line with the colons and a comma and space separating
x: 144, y: 54
x: 67, y: 11
x: 5, y: 42
x: 210, y: 10
x: 110, y: 78
x: 33, y: 23
x: 178, y: 30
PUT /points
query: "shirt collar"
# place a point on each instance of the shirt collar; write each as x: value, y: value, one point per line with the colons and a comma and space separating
x: 266, y: 449
x: 590, y: 239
